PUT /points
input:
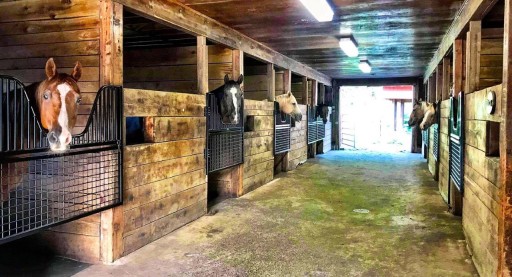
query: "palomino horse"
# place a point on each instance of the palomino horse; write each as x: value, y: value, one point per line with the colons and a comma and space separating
x: 56, y: 102
x: 288, y: 105
x: 423, y: 113
x: 229, y: 98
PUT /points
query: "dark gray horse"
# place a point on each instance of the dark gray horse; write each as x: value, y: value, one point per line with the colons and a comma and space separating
x: 230, y: 96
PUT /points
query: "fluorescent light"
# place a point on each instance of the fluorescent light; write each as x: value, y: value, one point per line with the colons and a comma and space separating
x: 320, y: 9
x: 365, y: 66
x: 349, y: 46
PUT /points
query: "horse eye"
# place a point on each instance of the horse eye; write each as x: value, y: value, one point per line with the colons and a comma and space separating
x: 79, y: 100
x: 45, y: 96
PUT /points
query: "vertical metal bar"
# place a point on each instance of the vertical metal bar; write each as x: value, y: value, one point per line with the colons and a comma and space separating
x: 22, y: 119
x: 2, y: 109
x: 15, y: 107
x: 8, y: 125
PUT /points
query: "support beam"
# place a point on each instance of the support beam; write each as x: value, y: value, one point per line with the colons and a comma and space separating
x: 321, y: 94
x: 471, y: 10
x: 177, y: 15
x: 271, y: 79
x: 314, y: 93
x: 379, y: 81
x: 431, y: 93
x: 458, y: 66
x: 238, y: 64
x: 505, y: 216
x: 305, y: 91
x: 473, y: 49
x: 287, y: 79
x: 336, y: 124
x: 202, y: 65
x: 439, y: 83
x: 111, y: 73
x: 447, y: 74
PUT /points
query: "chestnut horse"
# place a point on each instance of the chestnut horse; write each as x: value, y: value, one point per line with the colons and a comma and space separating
x: 56, y: 102
x: 288, y: 105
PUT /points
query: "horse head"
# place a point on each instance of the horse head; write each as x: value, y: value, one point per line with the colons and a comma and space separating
x: 230, y: 100
x: 323, y: 112
x: 57, y: 100
x: 423, y: 113
x: 288, y: 105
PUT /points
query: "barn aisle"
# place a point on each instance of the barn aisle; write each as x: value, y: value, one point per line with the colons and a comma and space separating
x: 343, y: 214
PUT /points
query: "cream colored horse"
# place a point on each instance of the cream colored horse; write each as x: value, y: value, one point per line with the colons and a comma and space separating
x: 424, y: 113
x: 288, y: 105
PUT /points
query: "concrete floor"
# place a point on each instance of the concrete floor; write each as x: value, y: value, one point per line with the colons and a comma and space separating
x: 307, y: 223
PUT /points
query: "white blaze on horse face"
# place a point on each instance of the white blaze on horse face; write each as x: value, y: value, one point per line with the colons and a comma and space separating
x: 233, y: 92
x: 65, y: 135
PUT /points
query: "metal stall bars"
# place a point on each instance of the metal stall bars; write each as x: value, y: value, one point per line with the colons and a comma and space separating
x: 436, y: 133
x: 457, y: 140
x: 282, y: 131
x: 316, y: 127
x: 40, y: 188
x: 426, y: 136
x: 225, y: 142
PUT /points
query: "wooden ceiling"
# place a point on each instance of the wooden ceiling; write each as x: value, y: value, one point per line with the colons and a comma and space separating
x: 398, y: 37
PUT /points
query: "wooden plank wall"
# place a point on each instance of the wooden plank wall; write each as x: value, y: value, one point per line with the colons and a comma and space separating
x: 255, y: 82
x: 259, y: 145
x: 279, y: 83
x: 164, y: 182
x: 68, y: 31
x: 297, y: 89
x: 299, y: 148
x: 174, y: 68
x: 481, y: 180
x: 491, y: 58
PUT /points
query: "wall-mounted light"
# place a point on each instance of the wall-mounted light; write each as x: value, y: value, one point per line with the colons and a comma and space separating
x: 365, y: 66
x: 349, y: 46
x: 320, y: 9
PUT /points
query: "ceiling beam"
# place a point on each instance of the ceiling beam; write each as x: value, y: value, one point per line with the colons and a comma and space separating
x: 183, y: 17
x: 379, y: 81
x: 470, y: 10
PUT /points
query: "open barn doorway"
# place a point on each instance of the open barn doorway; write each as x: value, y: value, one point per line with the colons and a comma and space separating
x: 375, y: 118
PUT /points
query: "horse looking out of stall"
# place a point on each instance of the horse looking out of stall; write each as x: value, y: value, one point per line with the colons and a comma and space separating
x: 56, y: 103
x: 323, y: 111
x: 288, y: 105
x: 230, y: 96
x: 423, y: 113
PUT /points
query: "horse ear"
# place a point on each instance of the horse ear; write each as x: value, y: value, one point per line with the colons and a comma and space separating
x: 51, y: 68
x: 289, y: 94
x: 240, y: 79
x: 226, y: 79
x: 77, y: 71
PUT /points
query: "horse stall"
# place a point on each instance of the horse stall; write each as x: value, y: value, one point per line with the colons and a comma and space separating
x: 259, y: 123
x: 282, y: 123
x: 469, y: 128
x: 299, y: 146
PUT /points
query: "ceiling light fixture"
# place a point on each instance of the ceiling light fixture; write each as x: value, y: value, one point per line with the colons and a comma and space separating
x: 365, y: 66
x: 349, y: 46
x: 320, y: 9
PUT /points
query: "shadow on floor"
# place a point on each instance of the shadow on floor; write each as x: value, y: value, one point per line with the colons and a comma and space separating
x: 27, y: 257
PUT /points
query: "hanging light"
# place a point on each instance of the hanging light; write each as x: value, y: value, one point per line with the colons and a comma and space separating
x: 320, y: 9
x: 365, y: 66
x: 349, y: 46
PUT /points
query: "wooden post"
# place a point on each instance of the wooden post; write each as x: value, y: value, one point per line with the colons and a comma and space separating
x: 271, y: 79
x: 336, y: 124
x: 238, y: 63
x: 458, y: 66
x: 395, y: 104
x: 202, y: 65
x: 473, y: 48
x: 305, y: 91
x: 505, y: 216
x: 447, y: 79
x: 321, y: 94
x: 314, y: 93
x: 439, y: 83
x: 287, y: 80
x: 431, y: 94
x: 111, y: 73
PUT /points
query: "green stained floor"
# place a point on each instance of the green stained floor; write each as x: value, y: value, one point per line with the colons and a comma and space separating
x: 304, y: 224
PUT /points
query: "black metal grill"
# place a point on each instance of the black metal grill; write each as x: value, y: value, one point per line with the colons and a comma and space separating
x: 316, y: 127
x: 282, y: 131
x: 435, y: 145
x: 40, y: 188
x: 457, y: 140
x: 225, y: 142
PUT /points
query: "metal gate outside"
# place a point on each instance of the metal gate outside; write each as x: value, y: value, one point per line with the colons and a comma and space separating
x: 40, y: 188
x: 282, y: 131
x: 316, y: 127
x: 457, y: 140
x: 225, y: 142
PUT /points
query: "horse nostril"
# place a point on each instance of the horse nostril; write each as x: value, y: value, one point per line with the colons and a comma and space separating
x: 52, y: 137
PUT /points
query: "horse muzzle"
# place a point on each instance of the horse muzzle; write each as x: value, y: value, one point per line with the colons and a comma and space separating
x: 59, y: 141
x: 297, y: 117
